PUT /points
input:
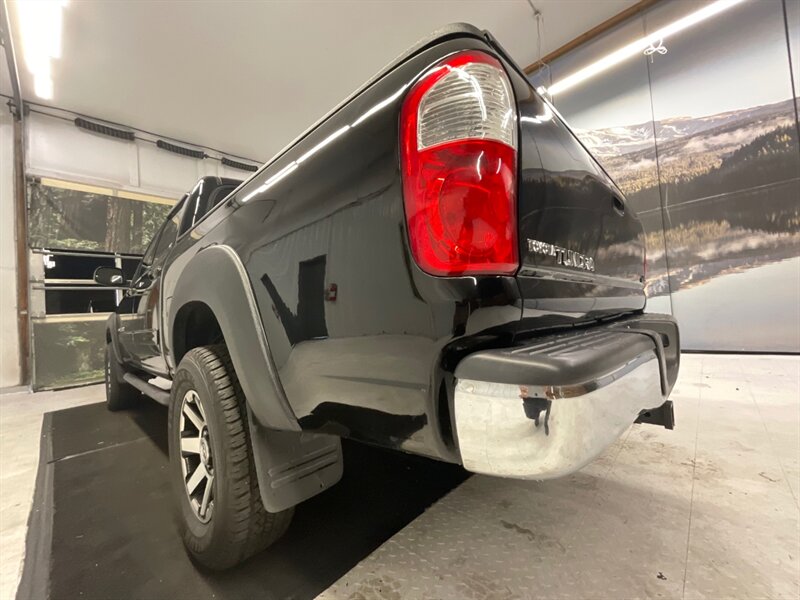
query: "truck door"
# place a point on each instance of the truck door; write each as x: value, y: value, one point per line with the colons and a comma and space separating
x: 143, y: 326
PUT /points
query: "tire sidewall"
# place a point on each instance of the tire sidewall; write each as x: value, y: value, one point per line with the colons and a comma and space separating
x: 199, y: 536
x: 119, y: 394
x: 108, y: 373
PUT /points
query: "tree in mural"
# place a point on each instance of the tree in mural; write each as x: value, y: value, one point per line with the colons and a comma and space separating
x: 71, y: 219
x: 70, y: 353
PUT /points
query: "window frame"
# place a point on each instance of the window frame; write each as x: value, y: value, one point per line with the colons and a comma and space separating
x: 153, y: 245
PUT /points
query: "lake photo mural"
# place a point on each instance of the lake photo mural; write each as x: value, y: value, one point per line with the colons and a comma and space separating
x: 700, y: 131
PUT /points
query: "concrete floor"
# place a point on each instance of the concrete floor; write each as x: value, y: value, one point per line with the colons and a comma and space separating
x: 20, y: 431
x: 709, y: 510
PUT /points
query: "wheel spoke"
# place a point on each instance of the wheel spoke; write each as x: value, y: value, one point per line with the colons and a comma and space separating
x: 190, y: 445
x: 195, y: 456
x: 206, y: 496
x: 196, y: 419
x: 198, y: 476
x: 199, y: 406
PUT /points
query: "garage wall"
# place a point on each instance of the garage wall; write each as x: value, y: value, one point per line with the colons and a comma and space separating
x: 92, y: 200
x: 9, y: 339
x: 57, y: 148
x: 702, y: 136
x: 9, y: 348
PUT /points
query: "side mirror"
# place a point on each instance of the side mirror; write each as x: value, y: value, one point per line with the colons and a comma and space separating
x: 110, y: 276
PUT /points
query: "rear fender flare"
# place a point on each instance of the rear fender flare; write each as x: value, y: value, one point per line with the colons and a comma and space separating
x: 230, y: 297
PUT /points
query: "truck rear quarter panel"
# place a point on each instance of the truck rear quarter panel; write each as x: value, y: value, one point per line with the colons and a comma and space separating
x: 365, y: 364
x: 373, y: 361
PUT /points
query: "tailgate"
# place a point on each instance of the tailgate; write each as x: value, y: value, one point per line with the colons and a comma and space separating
x: 581, y: 246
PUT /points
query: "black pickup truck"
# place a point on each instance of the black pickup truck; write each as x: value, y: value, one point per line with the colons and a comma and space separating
x: 438, y: 266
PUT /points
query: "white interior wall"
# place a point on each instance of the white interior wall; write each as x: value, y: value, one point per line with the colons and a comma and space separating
x: 57, y: 148
x: 9, y: 339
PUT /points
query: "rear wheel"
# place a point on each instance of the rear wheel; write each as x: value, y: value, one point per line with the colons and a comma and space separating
x: 222, y: 519
x: 119, y: 394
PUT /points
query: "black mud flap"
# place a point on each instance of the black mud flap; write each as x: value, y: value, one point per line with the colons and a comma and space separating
x: 663, y: 415
x: 293, y: 466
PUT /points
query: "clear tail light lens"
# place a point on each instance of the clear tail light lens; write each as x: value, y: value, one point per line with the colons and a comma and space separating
x: 459, y: 167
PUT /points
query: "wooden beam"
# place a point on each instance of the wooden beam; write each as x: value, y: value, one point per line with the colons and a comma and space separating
x: 594, y: 32
x: 21, y: 228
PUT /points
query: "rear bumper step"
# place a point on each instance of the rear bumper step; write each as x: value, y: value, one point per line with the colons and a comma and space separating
x: 548, y: 408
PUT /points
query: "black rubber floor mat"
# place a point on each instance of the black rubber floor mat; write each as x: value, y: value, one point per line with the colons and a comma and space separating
x: 90, y: 427
x: 111, y: 519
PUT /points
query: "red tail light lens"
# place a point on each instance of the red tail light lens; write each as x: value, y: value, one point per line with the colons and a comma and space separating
x: 459, y: 167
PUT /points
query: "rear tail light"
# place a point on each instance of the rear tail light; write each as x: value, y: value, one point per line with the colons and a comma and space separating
x: 459, y: 165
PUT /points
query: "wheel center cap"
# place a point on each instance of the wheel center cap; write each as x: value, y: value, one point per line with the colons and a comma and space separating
x: 205, y: 450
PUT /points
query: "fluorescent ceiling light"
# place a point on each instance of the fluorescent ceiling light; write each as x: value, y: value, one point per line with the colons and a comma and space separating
x: 640, y: 45
x: 40, y: 25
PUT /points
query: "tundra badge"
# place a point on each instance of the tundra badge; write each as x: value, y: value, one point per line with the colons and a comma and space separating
x: 565, y: 257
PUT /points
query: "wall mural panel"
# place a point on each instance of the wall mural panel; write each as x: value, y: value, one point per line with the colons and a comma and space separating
x: 68, y: 352
x: 792, y: 16
x: 68, y: 335
x: 716, y: 165
x: 60, y: 218
x: 730, y: 176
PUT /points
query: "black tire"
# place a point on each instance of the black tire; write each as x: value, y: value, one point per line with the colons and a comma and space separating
x: 236, y: 525
x: 119, y: 394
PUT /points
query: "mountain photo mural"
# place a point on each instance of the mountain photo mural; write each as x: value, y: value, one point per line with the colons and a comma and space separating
x: 747, y: 159
x: 703, y: 140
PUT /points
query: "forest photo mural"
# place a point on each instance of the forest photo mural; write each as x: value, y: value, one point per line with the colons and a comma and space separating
x: 69, y: 339
x: 69, y: 219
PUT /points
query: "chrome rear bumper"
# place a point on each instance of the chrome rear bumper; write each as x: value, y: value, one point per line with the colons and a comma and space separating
x: 548, y: 412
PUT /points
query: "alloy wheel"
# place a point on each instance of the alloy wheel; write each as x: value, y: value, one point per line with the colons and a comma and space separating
x: 197, y: 461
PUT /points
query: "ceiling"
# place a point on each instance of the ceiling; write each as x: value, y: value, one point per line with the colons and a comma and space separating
x: 248, y: 77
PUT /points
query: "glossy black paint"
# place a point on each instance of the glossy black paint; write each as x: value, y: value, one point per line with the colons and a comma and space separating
x: 139, y: 324
x: 376, y: 364
x: 566, y: 199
